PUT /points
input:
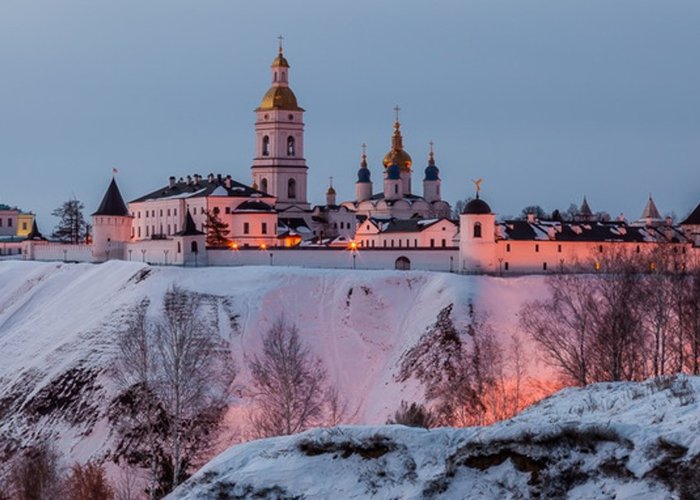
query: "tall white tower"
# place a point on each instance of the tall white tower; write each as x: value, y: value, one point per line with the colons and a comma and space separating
x: 279, y: 167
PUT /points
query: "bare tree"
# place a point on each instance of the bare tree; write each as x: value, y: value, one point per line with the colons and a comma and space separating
x: 563, y: 325
x: 457, y: 369
x: 36, y: 475
x: 178, y: 370
x: 289, y: 384
x: 88, y: 482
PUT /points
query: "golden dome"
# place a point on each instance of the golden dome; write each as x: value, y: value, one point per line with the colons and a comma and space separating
x: 396, y: 154
x: 279, y: 98
x: 280, y: 62
x: 331, y: 190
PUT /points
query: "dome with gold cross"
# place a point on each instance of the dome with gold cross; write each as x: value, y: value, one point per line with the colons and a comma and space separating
x: 397, y: 155
x: 279, y: 96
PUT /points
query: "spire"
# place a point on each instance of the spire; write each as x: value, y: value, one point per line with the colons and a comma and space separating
x: 585, y: 211
x: 650, y: 211
x: 431, y: 155
x: 190, y: 227
x: 35, y: 234
x: 331, y: 190
x: 397, y: 155
x: 280, y: 61
x: 113, y: 203
x: 363, y: 174
x: 396, y: 139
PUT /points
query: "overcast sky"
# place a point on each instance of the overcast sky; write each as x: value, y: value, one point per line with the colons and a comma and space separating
x: 544, y: 100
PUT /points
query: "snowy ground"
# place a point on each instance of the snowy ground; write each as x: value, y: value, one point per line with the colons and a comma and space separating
x: 608, y: 441
x: 58, y: 323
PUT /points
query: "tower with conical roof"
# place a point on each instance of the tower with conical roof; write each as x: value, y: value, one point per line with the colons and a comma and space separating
x: 279, y: 167
x: 111, y: 226
x: 650, y: 214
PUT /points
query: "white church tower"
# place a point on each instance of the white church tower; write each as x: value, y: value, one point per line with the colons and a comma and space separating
x: 279, y: 167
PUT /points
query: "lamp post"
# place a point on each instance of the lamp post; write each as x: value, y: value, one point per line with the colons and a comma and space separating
x: 130, y: 250
x: 353, y: 250
x: 500, y: 266
x: 165, y: 254
x: 143, y: 255
x: 452, y: 259
x: 65, y: 252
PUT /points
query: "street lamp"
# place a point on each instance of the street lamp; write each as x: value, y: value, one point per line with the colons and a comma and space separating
x: 130, y: 250
x: 165, y: 253
x: 353, y: 250
x: 500, y: 266
x: 143, y: 255
x: 64, y: 255
x: 452, y: 259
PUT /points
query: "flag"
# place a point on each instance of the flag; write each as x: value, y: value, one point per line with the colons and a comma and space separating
x: 114, y: 171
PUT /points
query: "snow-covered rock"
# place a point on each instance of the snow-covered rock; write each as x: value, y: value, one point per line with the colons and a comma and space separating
x: 616, y: 441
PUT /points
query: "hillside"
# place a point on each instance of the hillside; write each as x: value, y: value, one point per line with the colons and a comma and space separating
x: 59, y: 322
x: 615, y: 441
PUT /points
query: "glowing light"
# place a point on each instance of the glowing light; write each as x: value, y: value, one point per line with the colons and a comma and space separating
x: 263, y: 246
x: 353, y: 246
x: 233, y: 246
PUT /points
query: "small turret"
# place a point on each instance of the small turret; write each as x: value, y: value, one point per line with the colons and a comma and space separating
x: 330, y: 194
x: 477, y: 235
x: 363, y: 186
x: 431, y: 182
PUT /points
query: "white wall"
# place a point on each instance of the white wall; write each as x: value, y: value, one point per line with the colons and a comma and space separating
x: 423, y: 259
x: 60, y: 251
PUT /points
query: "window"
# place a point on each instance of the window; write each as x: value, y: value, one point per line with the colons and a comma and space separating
x: 477, y: 230
x: 161, y: 212
x: 175, y: 212
x: 138, y: 214
x: 507, y: 247
x: 216, y: 210
x: 384, y: 243
x: 246, y: 228
x: 415, y: 242
x: 168, y: 212
x: 537, y: 248
x: 291, y: 151
x: 638, y: 249
x: 193, y: 247
x: 147, y: 232
x: 175, y: 228
x: 291, y: 189
x: 600, y: 248
x: 179, y: 247
x: 559, y: 248
x: 9, y: 222
x: 139, y: 231
x: 399, y: 242
x: 396, y: 188
x: 263, y: 185
x: 392, y: 243
x: 227, y: 210
x: 201, y: 210
x: 266, y: 146
x: 444, y: 243
x: 264, y: 228
x: 169, y: 229
x: 0, y: 222
x: 544, y: 266
x: 432, y: 243
x: 506, y: 266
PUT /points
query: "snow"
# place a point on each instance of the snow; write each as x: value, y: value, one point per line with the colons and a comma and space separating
x: 57, y: 317
x: 619, y: 428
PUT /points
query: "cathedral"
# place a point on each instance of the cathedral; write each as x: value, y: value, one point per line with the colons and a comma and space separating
x: 271, y: 220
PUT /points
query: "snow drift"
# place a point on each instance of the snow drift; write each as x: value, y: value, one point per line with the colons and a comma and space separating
x: 622, y: 440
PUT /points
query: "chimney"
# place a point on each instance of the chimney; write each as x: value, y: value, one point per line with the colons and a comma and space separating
x: 172, y: 181
x: 669, y: 221
x: 197, y: 178
x: 531, y: 218
x: 210, y: 178
x: 227, y: 182
x: 189, y: 179
x: 621, y: 218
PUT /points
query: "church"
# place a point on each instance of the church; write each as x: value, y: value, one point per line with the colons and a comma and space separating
x: 270, y: 220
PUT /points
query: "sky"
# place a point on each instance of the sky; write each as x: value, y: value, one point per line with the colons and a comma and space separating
x: 546, y: 101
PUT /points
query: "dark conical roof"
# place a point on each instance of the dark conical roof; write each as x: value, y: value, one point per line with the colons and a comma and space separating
x: 190, y: 227
x: 112, y: 203
x: 35, y: 234
x: 693, y: 218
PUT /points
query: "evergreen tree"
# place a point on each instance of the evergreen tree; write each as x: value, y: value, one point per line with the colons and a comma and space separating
x: 217, y: 231
x: 71, y: 226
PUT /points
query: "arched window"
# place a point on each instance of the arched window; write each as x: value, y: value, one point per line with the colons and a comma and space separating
x: 396, y: 189
x: 193, y: 247
x: 266, y: 146
x: 477, y: 230
x: 402, y: 264
x: 292, y: 189
x: 291, y: 151
x: 263, y: 185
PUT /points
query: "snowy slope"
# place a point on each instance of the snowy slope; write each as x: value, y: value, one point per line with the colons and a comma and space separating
x: 58, y: 323
x: 621, y: 441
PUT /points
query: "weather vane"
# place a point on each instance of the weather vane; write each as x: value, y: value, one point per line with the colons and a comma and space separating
x: 477, y: 184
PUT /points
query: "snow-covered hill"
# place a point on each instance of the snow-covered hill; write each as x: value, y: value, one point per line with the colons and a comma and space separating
x: 58, y: 323
x: 614, y: 441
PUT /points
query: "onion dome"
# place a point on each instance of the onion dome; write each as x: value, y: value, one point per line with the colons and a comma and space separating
x: 396, y: 154
x: 432, y: 173
x: 393, y: 173
x: 279, y: 98
x: 477, y: 206
x: 363, y: 175
x: 331, y: 190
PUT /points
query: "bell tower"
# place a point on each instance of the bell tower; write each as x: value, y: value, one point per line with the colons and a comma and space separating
x: 279, y: 167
